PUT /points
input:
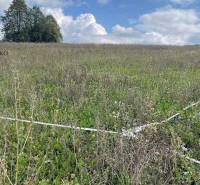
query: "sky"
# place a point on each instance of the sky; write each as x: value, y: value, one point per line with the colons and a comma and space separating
x: 163, y: 22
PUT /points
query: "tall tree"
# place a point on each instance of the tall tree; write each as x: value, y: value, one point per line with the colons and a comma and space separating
x: 24, y: 24
x: 15, y: 22
x: 36, y: 24
x: 51, y: 30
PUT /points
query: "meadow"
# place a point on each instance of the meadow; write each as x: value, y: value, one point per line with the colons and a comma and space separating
x: 109, y: 87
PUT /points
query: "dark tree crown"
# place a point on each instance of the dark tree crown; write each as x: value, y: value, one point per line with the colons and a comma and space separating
x: 24, y: 24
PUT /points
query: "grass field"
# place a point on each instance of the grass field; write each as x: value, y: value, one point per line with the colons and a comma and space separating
x: 99, y: 86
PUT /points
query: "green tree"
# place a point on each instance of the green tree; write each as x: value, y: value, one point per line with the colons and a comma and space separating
x: 36, y: 24
x: 15, y: 22
x: 24, y: 24
x: 51, y: 30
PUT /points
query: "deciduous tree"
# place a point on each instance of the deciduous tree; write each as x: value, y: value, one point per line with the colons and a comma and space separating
x: 24, y: 24
x: 15, y: 22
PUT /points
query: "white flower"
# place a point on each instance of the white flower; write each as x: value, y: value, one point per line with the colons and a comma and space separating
x: 115, y: 114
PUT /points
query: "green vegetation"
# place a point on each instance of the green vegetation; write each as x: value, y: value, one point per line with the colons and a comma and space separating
x: 24, y: 24
x: 98, y: 86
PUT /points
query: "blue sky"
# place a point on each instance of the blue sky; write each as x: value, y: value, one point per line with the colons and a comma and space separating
x: 115, y: 12
x: 174, y: 22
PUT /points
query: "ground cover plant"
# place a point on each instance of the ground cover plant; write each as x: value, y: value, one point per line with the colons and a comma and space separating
x: 98, y: 86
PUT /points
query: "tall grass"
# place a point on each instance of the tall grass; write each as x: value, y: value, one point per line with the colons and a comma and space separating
x: 98, y: 86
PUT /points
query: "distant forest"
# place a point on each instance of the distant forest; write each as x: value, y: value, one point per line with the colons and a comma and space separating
x: 24, y: 24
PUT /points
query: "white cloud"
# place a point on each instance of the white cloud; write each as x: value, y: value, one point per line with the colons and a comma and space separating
x: 83, y: 28
x: 182, y: 2
x: 4, y: 4
x: 175, y: 25
x: 164, y: 26
x: 145, y: 38
x: 120, y: 30
x: 103, y: 2
x: 158, y: 38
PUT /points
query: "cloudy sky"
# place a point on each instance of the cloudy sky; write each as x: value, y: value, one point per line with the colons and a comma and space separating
x: 171, y: 22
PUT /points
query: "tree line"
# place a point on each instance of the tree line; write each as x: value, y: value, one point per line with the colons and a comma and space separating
x: 24, y: 24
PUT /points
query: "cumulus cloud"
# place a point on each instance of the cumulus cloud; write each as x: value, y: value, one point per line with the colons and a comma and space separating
x: 83, y: 28
x: 177, y: 25
x: 164, y: 26
x: 126, y: 31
